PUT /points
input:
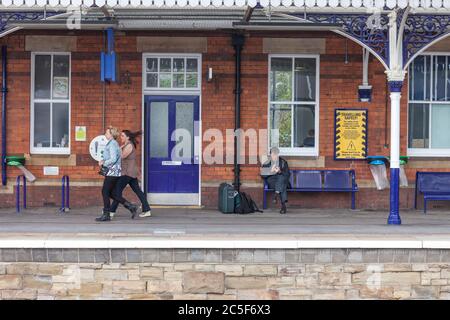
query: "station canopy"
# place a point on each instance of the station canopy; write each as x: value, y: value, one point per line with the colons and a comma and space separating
x: 335, y: 4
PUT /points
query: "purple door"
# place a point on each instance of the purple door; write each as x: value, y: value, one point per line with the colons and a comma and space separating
x: 171, y: 155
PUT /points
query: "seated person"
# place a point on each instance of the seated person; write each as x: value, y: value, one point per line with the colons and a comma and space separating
x: 309, y: 140
x: 278, y: 177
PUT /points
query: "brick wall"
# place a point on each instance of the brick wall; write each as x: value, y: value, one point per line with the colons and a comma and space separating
x: 338, y: 88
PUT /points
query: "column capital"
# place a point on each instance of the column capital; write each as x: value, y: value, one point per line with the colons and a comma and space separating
x: 395, y: 75
x: 395, y: 86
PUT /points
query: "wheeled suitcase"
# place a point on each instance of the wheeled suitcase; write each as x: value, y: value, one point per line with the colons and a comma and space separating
x: 226, y: 198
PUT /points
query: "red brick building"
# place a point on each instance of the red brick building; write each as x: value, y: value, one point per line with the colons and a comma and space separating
x: 334, y: 70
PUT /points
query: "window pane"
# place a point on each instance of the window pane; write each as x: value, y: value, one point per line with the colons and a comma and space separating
x: 418, y: 125
x: 42, y: 77
x: 152, y: 64
x: 191, y: 80
x: 192, y: 65
x: 41, y: 125
x: 440, y: 67
x: 281, y: 79
x: 61, y: 66
x: 159, y: 130
x: 185, y: 120
x: 440, y: 131
x: 304, y: 126
x: 60, y: 125
x: 418, y: 77
x: 427, y: 94
x: 164, y: 65
x: 280, y: 125
x: 152, y: 80
x: 61, y: 76
x: 305, y: 79
x: 178, y: 65
x: 165, y: 80
x: 448, y: 78
x: 178, y: 80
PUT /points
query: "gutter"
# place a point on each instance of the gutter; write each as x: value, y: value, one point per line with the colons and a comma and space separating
x: 238, y: 43
x: 4, y: 91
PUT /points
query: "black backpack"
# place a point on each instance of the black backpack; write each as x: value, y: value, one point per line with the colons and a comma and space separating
x: 245, y: 204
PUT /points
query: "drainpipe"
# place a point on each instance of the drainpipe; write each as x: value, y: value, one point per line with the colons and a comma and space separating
x: 4, y: 91
x: 238, y: 43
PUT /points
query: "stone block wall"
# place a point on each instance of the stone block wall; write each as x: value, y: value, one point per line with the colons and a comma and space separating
x: 224, y: 274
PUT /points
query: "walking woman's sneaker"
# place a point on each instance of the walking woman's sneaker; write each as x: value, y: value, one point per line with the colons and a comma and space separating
x: 146, y: 214
x: 111, y: 215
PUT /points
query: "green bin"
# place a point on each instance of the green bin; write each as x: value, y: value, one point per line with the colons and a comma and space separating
x: 15, y: 160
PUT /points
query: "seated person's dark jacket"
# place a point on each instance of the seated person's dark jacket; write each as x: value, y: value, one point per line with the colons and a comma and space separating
x: 284, y: 170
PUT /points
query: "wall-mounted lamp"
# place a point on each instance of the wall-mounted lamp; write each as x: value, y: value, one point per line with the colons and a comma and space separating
x: 210, y: 74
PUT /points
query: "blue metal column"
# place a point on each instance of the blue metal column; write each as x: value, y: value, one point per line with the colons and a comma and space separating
x: 4, y: 91
x: 395, y: 88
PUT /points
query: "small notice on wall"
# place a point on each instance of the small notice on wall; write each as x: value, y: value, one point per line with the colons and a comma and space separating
x: 80, y: 133
x: 51, y: 171
x: 350, y: 138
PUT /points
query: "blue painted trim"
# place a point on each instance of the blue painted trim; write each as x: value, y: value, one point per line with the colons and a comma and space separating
x: 365, y: 95
x: 394, y: 214
x: 367, y: 133
x: 395, y: 86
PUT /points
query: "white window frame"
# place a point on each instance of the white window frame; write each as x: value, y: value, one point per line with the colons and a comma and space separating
x: 49, y: 150
x: 171, y: 56
x: 308, y: 152
x: 427, y: 152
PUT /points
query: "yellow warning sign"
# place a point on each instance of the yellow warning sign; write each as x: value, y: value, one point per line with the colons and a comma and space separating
x: 350, y: 134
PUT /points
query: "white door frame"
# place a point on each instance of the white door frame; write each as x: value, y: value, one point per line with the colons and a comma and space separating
x: 172, y: 92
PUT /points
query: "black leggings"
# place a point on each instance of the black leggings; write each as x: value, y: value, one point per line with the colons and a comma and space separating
x: 107, y: 191
x: 134, y: 184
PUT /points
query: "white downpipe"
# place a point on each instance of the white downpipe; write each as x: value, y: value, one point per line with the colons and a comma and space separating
x: 366, y: 54
x: 395, y: 130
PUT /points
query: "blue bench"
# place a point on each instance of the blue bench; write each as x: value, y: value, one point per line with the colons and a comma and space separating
x: 319, y: 181
x: 433, y: 186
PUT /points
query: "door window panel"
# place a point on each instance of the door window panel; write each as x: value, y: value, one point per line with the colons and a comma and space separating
x: 159, y: 130
x: 185, y: 120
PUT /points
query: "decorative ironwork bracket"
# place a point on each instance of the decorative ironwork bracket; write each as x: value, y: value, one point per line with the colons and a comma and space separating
x: 421, y: 31
x: 371, y: 30
x: 8, y: 17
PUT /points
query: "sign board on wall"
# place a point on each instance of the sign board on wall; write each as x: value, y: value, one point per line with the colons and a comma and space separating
x: 97, y: 146
x: 80, y: 133
x: 51, y: 171
x: 350, y: 134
